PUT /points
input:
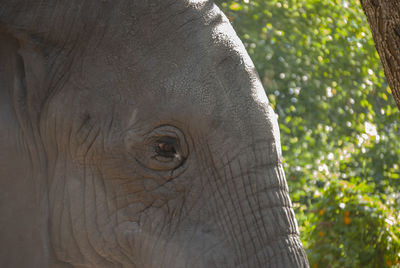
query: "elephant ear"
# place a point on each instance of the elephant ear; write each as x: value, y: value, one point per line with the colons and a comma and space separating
x: 35, y: 50
x: 46, y: 36
x: 23, y: 195
x: 23, y: 78
x: 27, y: 29
x: 23, y: 91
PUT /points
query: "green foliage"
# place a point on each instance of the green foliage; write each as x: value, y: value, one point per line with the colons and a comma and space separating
x: 339, y: 123
x: 363, y: 230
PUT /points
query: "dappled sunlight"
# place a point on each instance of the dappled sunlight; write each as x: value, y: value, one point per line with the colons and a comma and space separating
x: 339, y: 124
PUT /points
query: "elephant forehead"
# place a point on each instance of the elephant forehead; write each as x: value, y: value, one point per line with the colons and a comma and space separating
x: 179, y: 66
x: 162, y: 42
x: 188, y: 66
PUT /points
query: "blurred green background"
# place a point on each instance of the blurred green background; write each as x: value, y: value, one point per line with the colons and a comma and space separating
x: 339, y: 125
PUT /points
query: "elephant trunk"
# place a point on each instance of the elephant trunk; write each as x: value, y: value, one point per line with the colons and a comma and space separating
x: 258, y: 217
x: 271, y: 224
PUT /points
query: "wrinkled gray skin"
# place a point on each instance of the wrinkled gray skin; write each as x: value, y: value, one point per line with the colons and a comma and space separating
x: 136, y: 134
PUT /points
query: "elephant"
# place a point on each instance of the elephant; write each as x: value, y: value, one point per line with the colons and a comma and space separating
x: 137, y: 134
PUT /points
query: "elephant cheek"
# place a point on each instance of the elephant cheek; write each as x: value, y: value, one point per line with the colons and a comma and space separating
x: 83, y: 219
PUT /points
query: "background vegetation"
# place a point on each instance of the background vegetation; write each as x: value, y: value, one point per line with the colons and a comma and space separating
x: 339, y: 125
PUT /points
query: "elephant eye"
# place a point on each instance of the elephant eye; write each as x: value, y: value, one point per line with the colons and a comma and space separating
x: 166, y: 147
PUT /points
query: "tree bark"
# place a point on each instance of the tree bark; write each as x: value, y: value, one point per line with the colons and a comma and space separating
x: 384, y: 20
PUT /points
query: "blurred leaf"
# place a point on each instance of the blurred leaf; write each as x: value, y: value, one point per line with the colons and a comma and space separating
x: 235, y: 6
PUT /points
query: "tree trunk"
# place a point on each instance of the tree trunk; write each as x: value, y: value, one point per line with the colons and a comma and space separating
x: 384, y: 20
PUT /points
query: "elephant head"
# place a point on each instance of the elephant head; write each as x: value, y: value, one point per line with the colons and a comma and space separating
x: 136, y: 134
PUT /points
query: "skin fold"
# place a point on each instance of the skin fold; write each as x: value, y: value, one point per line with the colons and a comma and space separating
x: 136, y: 134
